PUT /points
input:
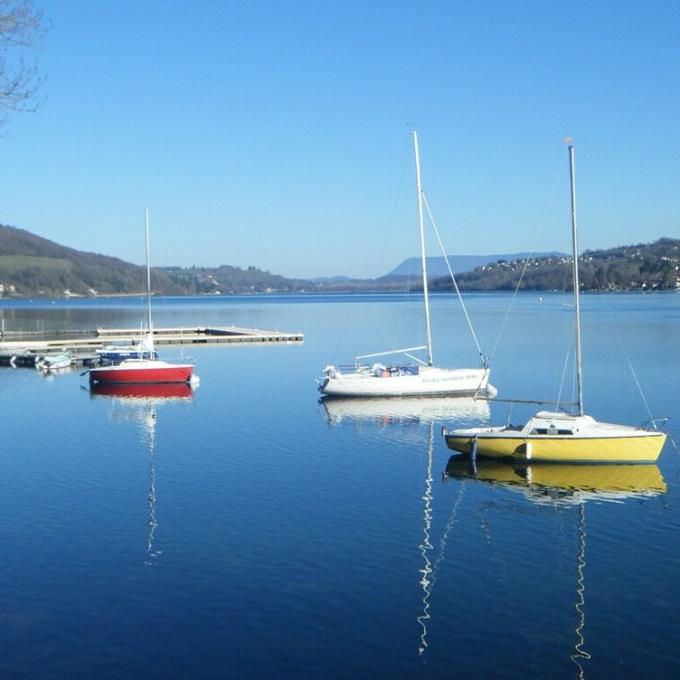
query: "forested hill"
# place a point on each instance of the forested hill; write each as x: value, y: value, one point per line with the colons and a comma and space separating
x: 653, y: 266
x: 32, y: 266
x: 436, y: 266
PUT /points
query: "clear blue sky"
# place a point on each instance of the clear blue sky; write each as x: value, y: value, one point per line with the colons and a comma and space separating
x: 276, y: 134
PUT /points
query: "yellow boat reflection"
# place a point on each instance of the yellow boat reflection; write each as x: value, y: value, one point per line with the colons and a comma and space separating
x: 583, y: 482
x: 572, y: 486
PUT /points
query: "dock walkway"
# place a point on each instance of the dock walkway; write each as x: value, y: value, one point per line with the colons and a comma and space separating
x: 21, y: 348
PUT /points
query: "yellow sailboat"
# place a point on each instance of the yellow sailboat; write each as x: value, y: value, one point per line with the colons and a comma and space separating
x: 560, y: 437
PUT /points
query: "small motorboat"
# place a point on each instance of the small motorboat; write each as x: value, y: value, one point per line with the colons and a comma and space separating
x: 54, y: 362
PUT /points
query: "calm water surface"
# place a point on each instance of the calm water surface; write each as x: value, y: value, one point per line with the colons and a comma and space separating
x: 247, y: 530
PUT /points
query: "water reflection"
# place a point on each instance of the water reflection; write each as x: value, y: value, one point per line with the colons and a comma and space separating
x: 570, y: 486
x: 563, y: 484
x: 133, y: 393
x: 430, y: 568
x: 391, y: 416
x: 395, y: 410
x: 139, y: 403
x: 426, y: 546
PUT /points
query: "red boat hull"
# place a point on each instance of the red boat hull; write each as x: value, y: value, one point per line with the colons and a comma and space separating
x: 167, y: 373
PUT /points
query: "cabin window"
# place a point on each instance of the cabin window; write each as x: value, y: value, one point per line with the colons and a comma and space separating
x: 551, y: 430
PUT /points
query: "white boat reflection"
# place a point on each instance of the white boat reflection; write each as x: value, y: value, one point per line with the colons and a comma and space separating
x: 570, y: 486
x: 404, y: 409
x: 404, y: 417
x: 432, y: 559
x: 139, y: 403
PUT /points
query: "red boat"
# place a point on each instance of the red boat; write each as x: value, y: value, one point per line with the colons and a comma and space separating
x: 142, y: 371
x: 146, y: 371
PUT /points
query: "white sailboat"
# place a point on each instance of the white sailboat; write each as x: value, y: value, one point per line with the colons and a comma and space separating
x: 417, y: 378
x: 560, y: 437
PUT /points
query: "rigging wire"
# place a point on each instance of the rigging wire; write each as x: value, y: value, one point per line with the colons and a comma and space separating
x: 570, y: 347
x: 539, y: 226
x: 406, y: 286
x: 455, y: 283
x: 564, y: 372
x: 617, y: 331
x: 387, y: 224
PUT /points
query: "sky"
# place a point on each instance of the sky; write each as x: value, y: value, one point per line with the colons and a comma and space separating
x: 277, y: 134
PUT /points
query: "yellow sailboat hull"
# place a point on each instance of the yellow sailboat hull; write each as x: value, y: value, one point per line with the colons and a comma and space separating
x: 642, y: 448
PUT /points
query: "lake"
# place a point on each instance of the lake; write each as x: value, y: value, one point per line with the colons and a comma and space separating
x: 248, y: 530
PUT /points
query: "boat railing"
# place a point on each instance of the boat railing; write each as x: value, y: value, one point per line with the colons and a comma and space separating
x: 405, y: 350
x: 654, y: 423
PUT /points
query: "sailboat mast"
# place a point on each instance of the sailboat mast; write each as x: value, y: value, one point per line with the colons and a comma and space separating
x: 577, y: 305
x: 423, y: 261
x: 148, y: 273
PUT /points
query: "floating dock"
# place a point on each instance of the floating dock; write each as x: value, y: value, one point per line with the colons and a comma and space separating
x: 22, y: 348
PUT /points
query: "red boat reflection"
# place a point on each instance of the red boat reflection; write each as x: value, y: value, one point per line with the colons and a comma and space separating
x: 144, y: 390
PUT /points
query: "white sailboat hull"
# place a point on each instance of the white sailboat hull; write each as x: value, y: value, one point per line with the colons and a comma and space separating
x: 429, y: 381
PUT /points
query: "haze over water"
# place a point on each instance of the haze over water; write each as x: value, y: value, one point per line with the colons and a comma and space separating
x: 248, y: 530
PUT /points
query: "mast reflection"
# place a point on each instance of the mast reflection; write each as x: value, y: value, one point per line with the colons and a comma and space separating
x: 139, y: 403
x: 426, y: 546
x: 430, y: 568
x: 566, y: 485
x: 404, y: 418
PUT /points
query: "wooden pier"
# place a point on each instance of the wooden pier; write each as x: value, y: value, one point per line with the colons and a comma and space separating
x: 22, y: 348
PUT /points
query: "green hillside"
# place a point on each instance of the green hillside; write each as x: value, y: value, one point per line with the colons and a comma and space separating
x: 231, y: 280
x: 32, y: 266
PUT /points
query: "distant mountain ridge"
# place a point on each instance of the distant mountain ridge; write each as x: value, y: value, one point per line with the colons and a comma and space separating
x: 32, y: 266
x: 436, y: 266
